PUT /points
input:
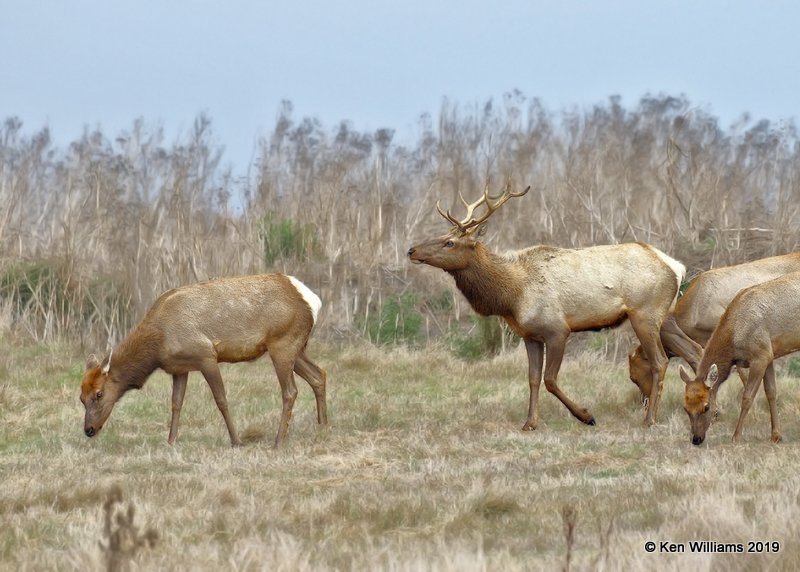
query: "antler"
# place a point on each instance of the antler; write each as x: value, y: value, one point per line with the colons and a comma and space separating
x: 468, y: 222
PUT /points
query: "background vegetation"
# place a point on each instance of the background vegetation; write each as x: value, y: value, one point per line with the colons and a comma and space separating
x: 91, y: 233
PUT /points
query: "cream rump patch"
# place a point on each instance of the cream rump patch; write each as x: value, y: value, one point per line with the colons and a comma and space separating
x: 311, y: 299
x: 678, y: 268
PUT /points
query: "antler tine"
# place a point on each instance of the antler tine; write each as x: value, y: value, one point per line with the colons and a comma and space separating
x: 522, y: 192
x: 463, y: 200
x: 492, y: 204
x: 467, y: 220
x: 450, y: 218
x: 507, y: 194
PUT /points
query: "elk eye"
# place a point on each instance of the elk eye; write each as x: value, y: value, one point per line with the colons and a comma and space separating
x: 705, y: 409
x: 99, y: 395
x: 449, y: 244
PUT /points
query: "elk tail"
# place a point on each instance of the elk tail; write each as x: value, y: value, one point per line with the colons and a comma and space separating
x: 313, y: 301
x: 677, y: 268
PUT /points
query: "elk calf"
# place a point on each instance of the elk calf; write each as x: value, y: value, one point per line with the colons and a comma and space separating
x: 546, y: 293
x: 193, y: 328
x: 759, y: 325
x: 687, y: 329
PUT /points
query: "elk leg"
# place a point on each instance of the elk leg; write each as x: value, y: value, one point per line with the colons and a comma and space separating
x: 317, y: 379
x: 676, y: 343
x: 210, y: 371
x: 742, y: 371
x: 178, y: 392
x: 650, y: 338
x: 555, y: 353
x: 771, y: 391
x: 284, y: 369
x: 535, y: 359
x: 756, y: 373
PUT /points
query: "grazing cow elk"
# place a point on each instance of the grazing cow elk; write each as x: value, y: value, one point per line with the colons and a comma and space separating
x: 759, y: 325
x: 193, y: 328
x: 545, y: 293
x: 687, y: 329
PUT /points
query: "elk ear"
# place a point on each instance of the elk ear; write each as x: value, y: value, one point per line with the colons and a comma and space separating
x: 684, y: 374
x: 92, y: 362
x: 107, y: 364
x: 713, y: 376
x: 480, y: 231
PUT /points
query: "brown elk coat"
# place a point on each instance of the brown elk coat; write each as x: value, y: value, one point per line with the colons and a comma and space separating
x: 697, y: 311
x: 545, y: 293
x: 759, y: 325
x: 195, y: 327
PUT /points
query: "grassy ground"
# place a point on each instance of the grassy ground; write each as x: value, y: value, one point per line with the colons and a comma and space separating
x: 423, y: 467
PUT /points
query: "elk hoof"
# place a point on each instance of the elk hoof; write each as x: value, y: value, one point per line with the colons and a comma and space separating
x: 777, y: 438
x: 529, y: 426
x: 591, y: 421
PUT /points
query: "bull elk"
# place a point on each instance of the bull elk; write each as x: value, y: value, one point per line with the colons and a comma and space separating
x: 759, y: 325
x: 194, y: 328
x: 546, y: 293
x: 689, y: 326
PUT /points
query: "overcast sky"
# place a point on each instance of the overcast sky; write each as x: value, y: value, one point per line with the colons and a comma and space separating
x: 67, y: 64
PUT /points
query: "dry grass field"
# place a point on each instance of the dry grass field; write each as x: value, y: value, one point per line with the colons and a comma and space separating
x: 423, y: 467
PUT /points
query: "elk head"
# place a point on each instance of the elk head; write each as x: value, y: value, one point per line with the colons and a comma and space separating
x: 453, y: 250
x: 639, y: 368
x: 699, y: 401
x: 98, y: 394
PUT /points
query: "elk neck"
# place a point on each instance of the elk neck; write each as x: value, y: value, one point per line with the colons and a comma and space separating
x: 490, y: 283
x: 723, y: 357
x: 136, y: 357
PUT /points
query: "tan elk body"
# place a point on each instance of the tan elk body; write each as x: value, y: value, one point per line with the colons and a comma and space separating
x: 546, y: 293
x: 759, y: 325
x: 687, y: 329
x: 193, y: 328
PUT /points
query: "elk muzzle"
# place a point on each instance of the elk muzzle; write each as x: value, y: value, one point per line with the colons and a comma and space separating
x: 410, y: 255
x: 96, y: 417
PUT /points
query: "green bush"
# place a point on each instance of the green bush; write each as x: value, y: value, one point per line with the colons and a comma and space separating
x: 397, y: 321
x: 27, y: 282
x: 485, y: 339
x: 793, y: 366
x: 285, y: 239
x: 50, y: 300
x: 442, y: 303
x: 465, y: 345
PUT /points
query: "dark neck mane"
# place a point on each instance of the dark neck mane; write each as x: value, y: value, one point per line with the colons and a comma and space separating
x: 135, y: 358
x: 489, y: 284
